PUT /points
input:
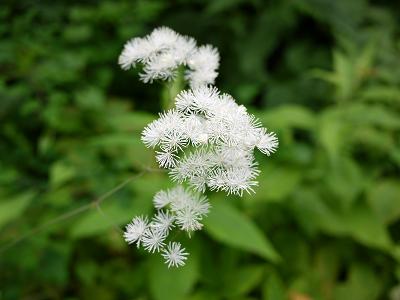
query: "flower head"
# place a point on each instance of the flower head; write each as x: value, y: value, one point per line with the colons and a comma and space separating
x: 135, y: 230
x: 163, y: 51
x: 153, y: 239
x: 203, y: 64
x: 174, y: 255
x: 223, y: 135
x: 163, y: 222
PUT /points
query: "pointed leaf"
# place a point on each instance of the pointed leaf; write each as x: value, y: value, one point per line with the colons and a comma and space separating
x: 227, y: 225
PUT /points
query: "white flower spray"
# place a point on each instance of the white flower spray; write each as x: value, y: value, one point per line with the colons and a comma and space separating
x: 206, y: 141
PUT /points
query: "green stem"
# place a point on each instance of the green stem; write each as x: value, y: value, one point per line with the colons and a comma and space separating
x: 171, y: 90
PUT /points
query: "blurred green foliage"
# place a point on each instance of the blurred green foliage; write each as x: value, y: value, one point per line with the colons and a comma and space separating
x: 325, y: 220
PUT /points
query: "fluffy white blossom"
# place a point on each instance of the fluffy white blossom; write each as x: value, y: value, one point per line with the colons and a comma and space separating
x: 161, y: 53
x: 153, y: 239
x: 206, y: 141
x: 203, y: 64
x: 174, y: 255
x: 163, y: 221
x: 161, y: 199
x: 135, y: 230
x: 222, y: 137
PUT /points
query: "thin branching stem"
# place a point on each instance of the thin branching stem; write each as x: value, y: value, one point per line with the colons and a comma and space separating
x: 70, y: 214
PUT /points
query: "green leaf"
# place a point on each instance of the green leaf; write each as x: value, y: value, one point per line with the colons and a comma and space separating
x: 345, y: 181
x: 361, y: 276
x: 375, y: 115
x: 381, y: 93
x: 365, y: 227
x: 359, y: 222
x: 332, y: 132
x: 14, y: 206
x: 384, y: 198
x: 91, y: 98
x: 243, y: 280
x: 172, y: 283
x: 124, y: 146
x: 131, y: 122
x: 313, y: 214
x: 117, y: 210
x: 275, y: 184
x: 227, y: 225
x: 288, y: 116
x: 273, y: 288
x: 60, y: 173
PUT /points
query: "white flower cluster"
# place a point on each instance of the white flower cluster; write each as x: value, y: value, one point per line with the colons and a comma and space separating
x: 176, y: 207
x: 207, y: 140
x: 164, y: 50
x: 219, y: 137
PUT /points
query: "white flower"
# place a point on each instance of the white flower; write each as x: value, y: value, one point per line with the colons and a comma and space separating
x: 180, y: 197
x: 163, y: 222
x: 194, y: 164
x: 188, y: 220
x: 163, y: 51
x: 161, y: 199
x: 268, y: 142
x: 135, y: 230
x: 188, y: 207
x: 153, y: 239
x: 207, y: 140
x: 234, y: 180
x: 198, y: 100
x: 223, y: 135
x: 157, y: 130
x: 166, y: 159
x: 174, y: 255
x: 204, y: 63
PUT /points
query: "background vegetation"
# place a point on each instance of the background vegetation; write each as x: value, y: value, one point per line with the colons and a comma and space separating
x: 325, y: 221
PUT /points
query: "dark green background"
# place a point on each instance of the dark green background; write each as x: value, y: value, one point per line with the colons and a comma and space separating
x: 324, y: 222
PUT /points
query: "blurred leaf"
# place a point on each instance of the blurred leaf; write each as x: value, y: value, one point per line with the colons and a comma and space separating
x: 221, y: 5
x: 126, y: 147
x: 275, y: 184
x: 229, y: 226
x: 345, y: 181
x: 90, y: 98
x: 381, y: 93
x: 288, y: 116
x: 119, y: 210
x: 384, y: 198
x: 332, y: 133
x: 243, y: 281
x: 361, y: 276
x: 14, y: 206
x: 361, y: 114
x: 359, y: 222
x: 273, y: 288
x: 133, y: 121
x: 61, y: 172
x: 364, y: 226
x: 172, y: 283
